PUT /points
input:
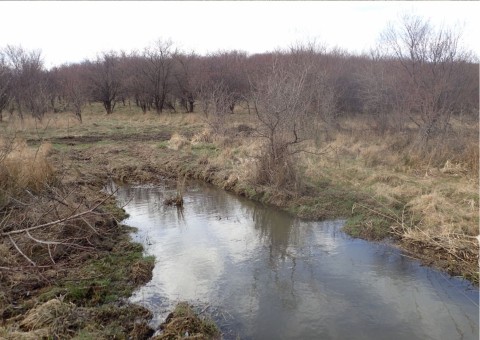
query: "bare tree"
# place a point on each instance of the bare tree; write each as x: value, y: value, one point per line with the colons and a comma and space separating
x: 281, y: 103
x: 136, y: 85
x: 218, y: 99
x: 73, y: 85
x: 377, y: 92
x: 229, y: 69
x: 29, y: 84
x: 6, y: 79
x: 187, y: 75
x: 106, y: 80
x: 428, y: 60
x: 157, y: 72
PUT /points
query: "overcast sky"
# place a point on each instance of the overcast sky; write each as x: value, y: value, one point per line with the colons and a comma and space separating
x: 73, y: 31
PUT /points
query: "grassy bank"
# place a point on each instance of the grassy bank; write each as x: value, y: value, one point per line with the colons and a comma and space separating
x: 66, y: 263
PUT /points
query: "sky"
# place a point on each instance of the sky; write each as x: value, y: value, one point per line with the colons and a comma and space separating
x: 74, y: 31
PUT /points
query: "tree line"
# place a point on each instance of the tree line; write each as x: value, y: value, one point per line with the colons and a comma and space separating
x: 417, y: 74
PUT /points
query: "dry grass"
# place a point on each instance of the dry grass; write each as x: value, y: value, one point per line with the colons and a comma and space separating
x: 51, y: 121
x: 23, y: 170
x: 204, y: 136
x: 178, y: 142
x: 26, y: 168
x: 47, y: 315
x: 184, y: 323
x: 428, y: 196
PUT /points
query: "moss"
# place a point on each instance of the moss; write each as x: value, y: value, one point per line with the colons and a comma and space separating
x: 374, y: 222
x: 106, y: 279
x: 110, y: 206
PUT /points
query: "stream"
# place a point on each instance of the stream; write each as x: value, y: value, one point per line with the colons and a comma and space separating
x: 262, y: 274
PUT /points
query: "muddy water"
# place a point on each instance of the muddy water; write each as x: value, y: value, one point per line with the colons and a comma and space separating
x: 265, y: 275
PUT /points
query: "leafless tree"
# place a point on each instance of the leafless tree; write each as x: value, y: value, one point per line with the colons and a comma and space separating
x: 428, y: 60
x: 377, y: 92
x: 29, y: 84
x: 6, y: 79
x: 187, y: 77
x: 74, y: 91
x: 281, y: 103
x: 229, y: 69
x: 106, y: 80
x: 157, y: 72
x: 218, y: 99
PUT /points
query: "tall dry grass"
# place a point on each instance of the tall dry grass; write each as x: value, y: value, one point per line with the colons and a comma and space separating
x: 24, y: 168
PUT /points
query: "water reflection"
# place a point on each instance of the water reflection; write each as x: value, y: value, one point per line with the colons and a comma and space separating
x: 270, y: 276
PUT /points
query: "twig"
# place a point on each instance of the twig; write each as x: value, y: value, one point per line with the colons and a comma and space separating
x: 21, y: 252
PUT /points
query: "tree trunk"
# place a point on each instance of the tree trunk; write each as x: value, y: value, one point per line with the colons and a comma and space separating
x: 108, y: 106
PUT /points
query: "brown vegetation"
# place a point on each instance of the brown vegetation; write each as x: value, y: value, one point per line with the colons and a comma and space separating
x: 184, y: 323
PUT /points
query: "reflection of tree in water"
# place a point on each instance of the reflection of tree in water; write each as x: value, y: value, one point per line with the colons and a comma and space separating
x: 278, y: 232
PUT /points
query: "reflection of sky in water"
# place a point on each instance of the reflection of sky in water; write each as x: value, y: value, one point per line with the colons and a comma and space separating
x: 278, y: 277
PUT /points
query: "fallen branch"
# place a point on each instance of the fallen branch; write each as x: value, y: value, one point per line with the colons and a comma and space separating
x: 21, y: 252
x: 49, y: 224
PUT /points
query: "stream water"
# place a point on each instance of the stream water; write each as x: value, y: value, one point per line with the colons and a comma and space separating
x: 262, y: 274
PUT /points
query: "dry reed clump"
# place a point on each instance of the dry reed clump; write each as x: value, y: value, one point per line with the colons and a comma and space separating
x: 455, y: 169
x: 177, y: 199
x: 177, y: 142
x: 280, y: 171
x: 400, y: 147
x: 204, y: 136
x: 25, y: 168
x: 141, y: 271
x: 51, y: 315
x: 184, y: 323
x: 444, y: 225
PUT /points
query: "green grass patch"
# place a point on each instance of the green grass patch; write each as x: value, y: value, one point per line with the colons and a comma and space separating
x: 205, y: 149
x: 112, y: 276
x: 163, y: 145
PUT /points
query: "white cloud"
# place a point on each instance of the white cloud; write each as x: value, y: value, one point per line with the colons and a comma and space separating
x: 72, y: 31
